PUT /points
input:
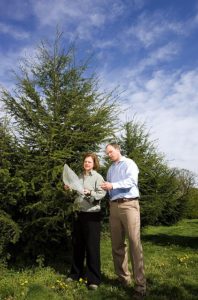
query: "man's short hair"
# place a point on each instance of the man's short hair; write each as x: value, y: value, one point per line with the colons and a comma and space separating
x: 114, y: 145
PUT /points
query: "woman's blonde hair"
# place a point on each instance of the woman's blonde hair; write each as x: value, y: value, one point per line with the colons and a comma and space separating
x: 96, y: 165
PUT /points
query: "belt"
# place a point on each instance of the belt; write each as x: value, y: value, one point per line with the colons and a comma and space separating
x: 122, y: 200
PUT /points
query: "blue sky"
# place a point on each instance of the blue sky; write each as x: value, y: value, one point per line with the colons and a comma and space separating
x: 149, y: 48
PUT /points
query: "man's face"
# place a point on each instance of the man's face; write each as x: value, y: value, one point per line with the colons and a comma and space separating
x: 114, y: 154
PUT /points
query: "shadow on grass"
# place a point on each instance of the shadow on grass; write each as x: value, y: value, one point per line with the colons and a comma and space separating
x: 164, y: 239
x: 192, y: 289
x: 61, y: 264
x: 168, y: 292
x: 111, y: 287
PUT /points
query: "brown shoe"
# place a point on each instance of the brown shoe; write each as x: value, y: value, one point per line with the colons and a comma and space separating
x: 138, y: 295
x: 125, y: 283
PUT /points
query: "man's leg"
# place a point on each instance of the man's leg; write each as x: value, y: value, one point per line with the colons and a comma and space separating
x: 130, y: 214
x: 119, y: 248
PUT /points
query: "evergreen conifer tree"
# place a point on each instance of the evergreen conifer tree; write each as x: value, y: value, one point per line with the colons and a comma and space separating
x: 11, y: 188
x: 58, y: 113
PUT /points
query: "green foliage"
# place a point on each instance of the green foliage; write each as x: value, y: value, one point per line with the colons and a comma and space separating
x: 9, y: 233
x: 10, y: 186
x: 11, y: 189
x: 192, y: 204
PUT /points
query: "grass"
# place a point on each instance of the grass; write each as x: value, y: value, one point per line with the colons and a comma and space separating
x: 170, y: 261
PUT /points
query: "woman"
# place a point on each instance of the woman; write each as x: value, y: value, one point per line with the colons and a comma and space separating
x: 86, y: 228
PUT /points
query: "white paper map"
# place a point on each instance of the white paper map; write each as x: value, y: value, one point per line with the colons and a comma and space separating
x: 71, y: 179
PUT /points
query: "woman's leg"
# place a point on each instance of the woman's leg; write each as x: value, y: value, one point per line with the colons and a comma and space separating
x: 78, y: 242
x: 92, y: 236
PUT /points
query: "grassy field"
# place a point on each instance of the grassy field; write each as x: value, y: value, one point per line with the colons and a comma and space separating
x: 171, y: 269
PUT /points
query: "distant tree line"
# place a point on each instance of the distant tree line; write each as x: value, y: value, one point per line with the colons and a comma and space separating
x: 57, y: 112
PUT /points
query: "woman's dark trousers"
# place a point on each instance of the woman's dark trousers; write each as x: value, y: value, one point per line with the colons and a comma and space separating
x: 86, y: 245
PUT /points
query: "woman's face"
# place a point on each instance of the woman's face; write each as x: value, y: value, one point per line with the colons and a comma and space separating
x: 88, y: 164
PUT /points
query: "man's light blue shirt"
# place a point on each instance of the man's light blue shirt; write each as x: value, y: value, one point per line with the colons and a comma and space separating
x: 124, y: 177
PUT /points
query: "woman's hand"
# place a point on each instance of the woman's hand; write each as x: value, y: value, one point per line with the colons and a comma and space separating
x: 66, y: 187
x: 87, y: 192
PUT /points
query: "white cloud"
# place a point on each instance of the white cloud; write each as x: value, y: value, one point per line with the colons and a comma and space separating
x: 77, y: 18
x: 161, y: 54
x: 12, y: 31
x: 10, y: 62
x: 169, y: 106
x: 150, y: 29
x: 51, y: 13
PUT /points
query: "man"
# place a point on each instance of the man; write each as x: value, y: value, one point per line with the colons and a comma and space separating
x: 122, y: 185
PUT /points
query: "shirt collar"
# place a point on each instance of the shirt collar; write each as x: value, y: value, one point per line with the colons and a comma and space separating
x: 91, y: 173
x: 122, y: 158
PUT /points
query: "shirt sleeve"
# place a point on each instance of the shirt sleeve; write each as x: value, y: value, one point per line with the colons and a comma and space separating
x: 98, y: 193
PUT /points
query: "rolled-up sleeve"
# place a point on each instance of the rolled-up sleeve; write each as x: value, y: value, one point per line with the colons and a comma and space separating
x: 98, y: 193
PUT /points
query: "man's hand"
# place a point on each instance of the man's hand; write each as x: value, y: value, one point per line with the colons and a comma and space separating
x: 107, y: 186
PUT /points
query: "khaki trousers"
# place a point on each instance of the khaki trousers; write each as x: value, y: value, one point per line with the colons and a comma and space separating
x: 125, y: 222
